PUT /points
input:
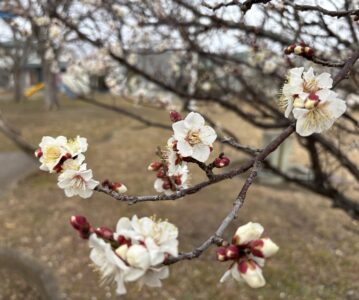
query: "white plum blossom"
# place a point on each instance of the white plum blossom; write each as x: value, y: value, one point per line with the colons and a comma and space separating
x: 194, y: 138
x: 160, y: 237
x: 51, y: 151
x: 135, y: 252
x: 248, y: 253
x: 310, y: 98
x: 77, y: 182
x: 77, y: 145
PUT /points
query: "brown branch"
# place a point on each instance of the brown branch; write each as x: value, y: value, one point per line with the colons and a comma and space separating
x: 217, y: 237
x: 214, y: 179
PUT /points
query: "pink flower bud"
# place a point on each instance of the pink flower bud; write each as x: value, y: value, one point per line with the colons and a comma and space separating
x: 104, y: 233
x: 232, y: 252
x: 154, y: 166
x: 38, y: 153
x: 175, y: 116
x: 221, y: 253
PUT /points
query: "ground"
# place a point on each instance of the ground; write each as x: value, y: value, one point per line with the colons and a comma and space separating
x: 319, y: 246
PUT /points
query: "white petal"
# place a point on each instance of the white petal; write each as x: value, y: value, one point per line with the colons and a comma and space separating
x: 194, y: 121
x: 85, y: 193
x: 254, y: 276
x: 207, y: 135
x: 335, y: 107
x: 325, y: 81
x: 299, y: 112
x: 225, y: 276
x: 246, y: 233
x: 309, y: 75
x: 180, y: 130
x: 184, y: 148
x: 201, y: 152
x: 289, y: 108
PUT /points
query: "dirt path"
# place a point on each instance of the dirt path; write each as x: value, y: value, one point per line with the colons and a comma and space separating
x: 13, y: 167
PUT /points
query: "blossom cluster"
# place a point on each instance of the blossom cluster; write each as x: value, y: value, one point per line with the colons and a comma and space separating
x: 136, y: 251
x: 65, y: 157
x: 247, y: 252
x: 192, y: 139
x: 311, y: 101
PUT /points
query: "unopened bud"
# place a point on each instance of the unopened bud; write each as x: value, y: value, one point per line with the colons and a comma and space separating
x: 104, y: 232
x: 154, y: 166
x: 221, y: 253
x: 289, y: 49
x: 178, y: 180
x: 298, y: 50
x: 119, y: 187
x: 161, y: 174
x: 309, y: 52
x: 81, y: 224
x: 121, y: 240
x: 38, y: 153
x: 221, y: 162
x: 175, y: 116
x: 232, y: 252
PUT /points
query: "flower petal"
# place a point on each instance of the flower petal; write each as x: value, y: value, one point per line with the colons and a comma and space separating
x: 207, y: 135
x: 194, y: 121
x: 201, y: 152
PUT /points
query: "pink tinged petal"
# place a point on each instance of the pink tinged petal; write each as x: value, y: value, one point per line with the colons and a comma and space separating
x: 207, y: 135
x: 180, y: 130
x: 201, y: 152
x: 325, y: 81
x: 246, y: 233
x: 194, y: 121
x: 184, y: 148
x: 253, y: 275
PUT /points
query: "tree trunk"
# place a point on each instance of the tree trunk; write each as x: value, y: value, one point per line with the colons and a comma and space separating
x: 18, y: 85
x: 50, y: 91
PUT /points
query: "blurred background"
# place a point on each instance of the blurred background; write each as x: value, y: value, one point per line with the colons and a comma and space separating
x: 111, y: 71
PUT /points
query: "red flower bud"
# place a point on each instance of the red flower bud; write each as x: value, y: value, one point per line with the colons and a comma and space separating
x: 221, y: 162
x: 175, y: 116
x: 221, y: 253
x: 161, y: 174
x: 118, y: 187
x: 121, y: 240
x: 38, y: 153
x: 154, y: 166
x: 104, y: 232
x: 81, y: 224
x: 309, y: 52
x: 232, y: 252
x: 177, y: 180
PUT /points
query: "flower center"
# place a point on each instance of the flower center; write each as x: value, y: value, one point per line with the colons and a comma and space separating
x: 52, y: 153
x: 193, y: 137
x: 79, y: 182
x: 310, y: 86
